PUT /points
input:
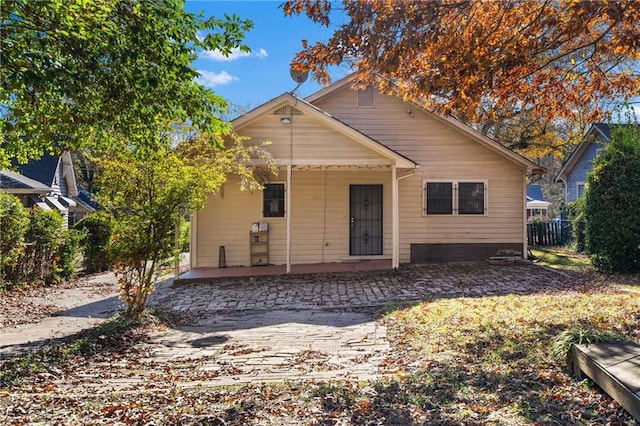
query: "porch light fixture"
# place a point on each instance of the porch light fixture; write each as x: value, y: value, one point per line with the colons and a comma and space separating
x: 285, y: 120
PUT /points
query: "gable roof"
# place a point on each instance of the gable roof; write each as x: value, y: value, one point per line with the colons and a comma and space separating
x: 15, y: 183
x: 600, y: 131
x: 597, y: 131
x: 327, y: 119
x: 42, y: 170
x: 532, y: 167
x: 534, y: 192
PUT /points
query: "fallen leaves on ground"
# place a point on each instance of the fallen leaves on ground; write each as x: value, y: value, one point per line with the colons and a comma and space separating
x: 472, y: 361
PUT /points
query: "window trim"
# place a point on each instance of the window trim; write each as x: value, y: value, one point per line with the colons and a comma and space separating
x: 584, y: 189
x: 284, y: 215
x: 455, y: 197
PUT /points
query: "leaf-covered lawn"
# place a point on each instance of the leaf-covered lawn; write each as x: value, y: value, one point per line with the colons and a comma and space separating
x: 471, y: 361
x: 492, y: 357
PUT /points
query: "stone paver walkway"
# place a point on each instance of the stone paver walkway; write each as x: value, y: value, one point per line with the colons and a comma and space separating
x: 317, y: 326
x: 272, y: 328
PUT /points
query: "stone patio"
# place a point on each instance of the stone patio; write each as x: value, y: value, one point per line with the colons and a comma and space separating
x: 316, y: 326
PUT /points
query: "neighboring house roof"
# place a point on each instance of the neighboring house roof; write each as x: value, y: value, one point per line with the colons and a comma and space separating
x: 15, y: 183
x: 532, y: 168
x: 326, y: 118
x: 84, y: 197
x: 597, y: 131
x: 44, y: 170
x: 534, y: 192
x: 535, y: 199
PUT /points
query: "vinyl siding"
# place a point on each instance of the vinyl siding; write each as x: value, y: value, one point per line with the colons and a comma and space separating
x: 320, y: 195
x: 581, y: 169
x: 319, y: 219
x: 443, y: 154
x: 312, y: 140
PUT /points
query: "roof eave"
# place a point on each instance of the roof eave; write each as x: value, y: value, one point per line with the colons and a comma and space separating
x: 337, y: 125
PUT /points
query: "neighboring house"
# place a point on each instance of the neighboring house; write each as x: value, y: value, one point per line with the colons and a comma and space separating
x: 48, y: 183
x: 367, y: 176
x: 573, y: 174
x: 536, y: 205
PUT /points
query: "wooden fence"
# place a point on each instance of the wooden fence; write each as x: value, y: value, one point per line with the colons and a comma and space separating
x: 548, y: 234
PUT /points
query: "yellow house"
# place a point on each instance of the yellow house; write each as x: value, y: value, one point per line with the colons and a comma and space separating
x: 366, y: 176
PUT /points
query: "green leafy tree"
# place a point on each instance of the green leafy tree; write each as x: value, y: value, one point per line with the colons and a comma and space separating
x: 98, y: 74
x: 14, y: 222
x: 612, y: 207
x: 147, y: 191
x: 96, y: 232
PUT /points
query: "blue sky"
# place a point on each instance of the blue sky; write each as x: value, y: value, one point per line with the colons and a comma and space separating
x: 249, y: 80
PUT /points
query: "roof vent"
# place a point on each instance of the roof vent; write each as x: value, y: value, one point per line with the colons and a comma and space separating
x: 287, y: 111
x: 366, y: 97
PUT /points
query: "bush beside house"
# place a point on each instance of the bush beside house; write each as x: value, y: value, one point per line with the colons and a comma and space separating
x: 612, y: 205
x: 35, y: 247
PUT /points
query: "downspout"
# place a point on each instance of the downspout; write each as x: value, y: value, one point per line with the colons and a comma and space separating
x: 525, y: 241
x: 564, y: 184
x: 288, y: 270
x: 395, y: 201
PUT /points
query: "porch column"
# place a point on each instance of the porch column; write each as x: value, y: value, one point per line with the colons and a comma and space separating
x: 525, y: 241
x: 193, y: 244
x: 288, y: 210
x: 395, y: 258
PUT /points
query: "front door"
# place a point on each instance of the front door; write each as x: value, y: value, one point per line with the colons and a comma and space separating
x: 365, y: 211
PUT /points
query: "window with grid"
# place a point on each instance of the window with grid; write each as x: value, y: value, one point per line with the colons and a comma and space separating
x: 451, y: 198
x: 439, y: 197
x: 470, y: 198
x: 273, y: 200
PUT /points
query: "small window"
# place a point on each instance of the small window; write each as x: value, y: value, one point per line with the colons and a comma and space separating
x: 439, y: 197
x: 471, y: 198
x: 366, y: 97
x: 579, y: 189
x: 273, y: 200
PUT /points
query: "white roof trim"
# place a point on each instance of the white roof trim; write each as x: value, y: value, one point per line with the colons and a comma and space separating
x: 335, y: 124
x: 53, y: 202
x: 38, y: 202
x: 577, y: 153
x: 67, y: 201
x: 531, y: 167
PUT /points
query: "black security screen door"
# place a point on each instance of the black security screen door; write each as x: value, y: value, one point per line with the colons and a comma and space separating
x: 365, y: 211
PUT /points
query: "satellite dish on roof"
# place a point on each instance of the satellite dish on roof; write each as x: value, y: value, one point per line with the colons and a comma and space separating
x: 299, y: 76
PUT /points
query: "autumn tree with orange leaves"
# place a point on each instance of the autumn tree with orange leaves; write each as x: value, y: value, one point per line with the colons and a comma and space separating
x: 486, y: 61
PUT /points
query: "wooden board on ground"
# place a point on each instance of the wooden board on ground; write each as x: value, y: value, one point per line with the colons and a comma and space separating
x: 615, y: 367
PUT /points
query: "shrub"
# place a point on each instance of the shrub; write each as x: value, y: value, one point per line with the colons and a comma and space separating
x: 69, y: 255
x: 44, y: 238
x: 184, y: 238
x: 613, y: 204
x: 577, y: 217
x: 13, y: 226
x: 96, y: 228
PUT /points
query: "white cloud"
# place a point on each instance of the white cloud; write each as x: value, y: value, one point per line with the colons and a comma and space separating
x: 213, y: 79
x: 216, y: 55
